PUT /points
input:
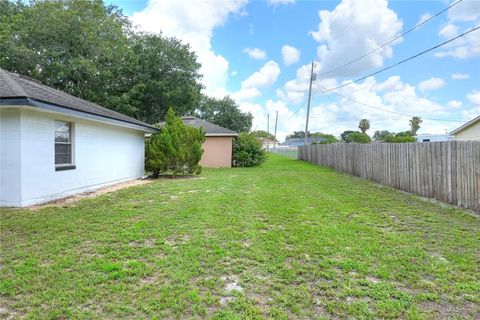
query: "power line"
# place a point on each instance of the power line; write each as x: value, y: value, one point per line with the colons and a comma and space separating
x: 390, y: 41
x: 296, y: 111
x: 402, y: 61
x: 389, y: 111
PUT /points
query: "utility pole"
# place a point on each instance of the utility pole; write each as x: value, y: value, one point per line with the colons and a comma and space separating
x: 312, y: 77
x: 275, y: 136
x: 268, y: 131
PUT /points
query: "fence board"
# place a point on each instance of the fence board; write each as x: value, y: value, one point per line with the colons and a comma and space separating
x: 447, y: 171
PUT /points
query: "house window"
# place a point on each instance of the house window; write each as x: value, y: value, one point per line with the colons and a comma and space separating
x: 426, y: 140
x: 63, y: 146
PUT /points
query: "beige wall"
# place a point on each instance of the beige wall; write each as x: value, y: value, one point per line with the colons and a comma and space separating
x: 470, y: 133
x: 217, y: 152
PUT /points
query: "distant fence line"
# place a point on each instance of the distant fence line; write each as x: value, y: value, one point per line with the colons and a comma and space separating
x: 447, y: 171
x: 289, y: 152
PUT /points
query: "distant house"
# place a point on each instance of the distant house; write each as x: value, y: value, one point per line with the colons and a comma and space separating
x: 296, y: 142
x: 53, y: 145
x: 468, y: 131
x: 217, y: 148
x: 433, y: 137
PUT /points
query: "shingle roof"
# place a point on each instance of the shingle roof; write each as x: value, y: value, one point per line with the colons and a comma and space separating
x: 15, y: 86
x: 301, y: 141
x: 209, y: 128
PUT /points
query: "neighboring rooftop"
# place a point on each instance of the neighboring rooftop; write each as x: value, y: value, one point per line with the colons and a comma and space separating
x: 209, y: 128
x: 14, y: 88
x: 295, y: 142
x: 466, y: 125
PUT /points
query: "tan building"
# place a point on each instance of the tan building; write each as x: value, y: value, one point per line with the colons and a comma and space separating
x: 217, y: 149
x: 469, y: 131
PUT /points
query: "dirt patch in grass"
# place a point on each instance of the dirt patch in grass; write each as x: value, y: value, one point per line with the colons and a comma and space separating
x: 91, y: 194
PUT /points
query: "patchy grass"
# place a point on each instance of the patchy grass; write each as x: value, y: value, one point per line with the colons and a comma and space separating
x: 285, y: 240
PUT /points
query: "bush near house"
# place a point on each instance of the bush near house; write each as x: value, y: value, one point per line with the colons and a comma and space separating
x: 248, y: 151
x: 176, y: 150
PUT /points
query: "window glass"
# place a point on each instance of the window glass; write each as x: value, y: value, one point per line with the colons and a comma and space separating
x: 63, y: 143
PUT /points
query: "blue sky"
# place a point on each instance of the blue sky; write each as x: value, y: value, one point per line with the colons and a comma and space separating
x: 259, y: 53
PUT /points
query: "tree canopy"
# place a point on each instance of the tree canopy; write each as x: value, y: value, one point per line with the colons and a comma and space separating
x: 89, y: 49
x: 225, y: 113
x: 263, y: 134
x: 382, y: 135
x: 415, y: 124
x: 364, y: 125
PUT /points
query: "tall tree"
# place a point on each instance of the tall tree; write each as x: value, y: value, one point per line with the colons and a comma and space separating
x: 263, y: 134
x: 297, y: 134
x: 225, y: 113
x: 165, y: 74
x: 89, y: 49
x: 75, y: 46
x: 415, y: 124
x: 364, y: 125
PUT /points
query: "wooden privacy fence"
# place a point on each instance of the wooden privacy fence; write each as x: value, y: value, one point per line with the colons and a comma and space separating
x: 447, y: 171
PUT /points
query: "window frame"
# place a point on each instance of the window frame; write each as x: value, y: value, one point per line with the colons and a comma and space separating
x: 71, y: 165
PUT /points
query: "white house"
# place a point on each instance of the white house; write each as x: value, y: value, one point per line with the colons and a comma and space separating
x: 468, y: 131
x: 53, y: 145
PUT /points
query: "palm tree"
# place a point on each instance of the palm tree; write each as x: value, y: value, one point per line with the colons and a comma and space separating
x: 415, y: 124
x: 364, y: 125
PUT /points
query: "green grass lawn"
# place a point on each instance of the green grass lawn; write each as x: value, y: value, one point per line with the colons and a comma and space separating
x: 286, y: 240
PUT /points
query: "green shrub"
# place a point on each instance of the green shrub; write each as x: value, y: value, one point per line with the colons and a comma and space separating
x: 247, y: 151
x: 402, y: 137
x: 327, y: 138
x: 176, y: 149
x: 358, y: 137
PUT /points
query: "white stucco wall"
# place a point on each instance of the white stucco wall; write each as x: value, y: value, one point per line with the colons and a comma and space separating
x: 470, y: 133
x: 10, y: 171
x: 103, y: 154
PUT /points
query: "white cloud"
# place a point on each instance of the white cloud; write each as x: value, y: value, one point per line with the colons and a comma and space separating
x: 245, y: 94
x: 474, y: 98
x: 469, y: 45
x: 354, y: 28
x: 431, y: 84
x: 193, y: 22
x: 467, y: 10
x: 474, y: 111
x: 454, y: 104
x: 264, y: 77
x: 449, y: 31
x: 255, y: 53
x: 290, y: 55
x: 460, y: 76
x: 423, y: 18
x: 233, y: 73
x: 462, y: 48
x: 279, y: 2
x: 342, y: 114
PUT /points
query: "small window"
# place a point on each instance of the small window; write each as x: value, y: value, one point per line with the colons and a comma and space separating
x: 63, y: 144
x: 426, y: 140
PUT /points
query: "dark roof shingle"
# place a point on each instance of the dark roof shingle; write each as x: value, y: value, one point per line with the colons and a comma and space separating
x: 209, y: 128
x: 13, y: 85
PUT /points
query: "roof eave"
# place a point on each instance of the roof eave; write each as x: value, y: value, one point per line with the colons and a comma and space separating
x: 221, y: 135
x: 465, y: 125
x: 26, y: 101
